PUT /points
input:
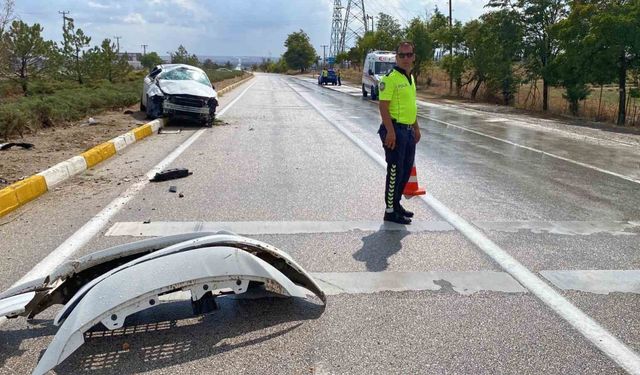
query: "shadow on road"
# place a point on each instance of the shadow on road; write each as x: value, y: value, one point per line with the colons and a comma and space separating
x: 180, y: 338
x: 378, y: 247
x: 11, y: 342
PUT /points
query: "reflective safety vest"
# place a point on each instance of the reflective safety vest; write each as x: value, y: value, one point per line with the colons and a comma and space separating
x: 325, y: 73
x: 396, y: 88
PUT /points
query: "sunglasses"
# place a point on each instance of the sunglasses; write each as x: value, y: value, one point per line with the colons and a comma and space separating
x: 402, y: 55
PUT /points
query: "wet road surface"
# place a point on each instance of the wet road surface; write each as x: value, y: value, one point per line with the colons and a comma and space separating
x: 433, y: 302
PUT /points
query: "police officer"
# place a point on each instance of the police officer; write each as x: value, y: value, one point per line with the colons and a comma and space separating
x: 325, y: 75
x: 339, y: 80
x: 399, y: 130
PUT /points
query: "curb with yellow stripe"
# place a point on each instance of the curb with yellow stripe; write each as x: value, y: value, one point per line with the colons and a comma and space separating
x: 24, y: 191
x: 21, y: 192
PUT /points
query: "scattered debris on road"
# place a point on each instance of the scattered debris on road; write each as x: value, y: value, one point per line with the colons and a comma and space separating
x: 180, y: 195
x: 163, y: 131
x: 6, y: 146
x: 171, y: 174
x: 92, y: 121
x: 173, y: 189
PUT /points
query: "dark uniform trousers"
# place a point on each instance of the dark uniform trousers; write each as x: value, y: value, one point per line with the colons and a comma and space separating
x: 399, y: 163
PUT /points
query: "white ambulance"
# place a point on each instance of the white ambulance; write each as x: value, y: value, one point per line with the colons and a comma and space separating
x: 376, y: 65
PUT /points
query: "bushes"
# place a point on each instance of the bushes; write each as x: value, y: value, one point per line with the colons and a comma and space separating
x: 59, y: 102
x: 221, y: 75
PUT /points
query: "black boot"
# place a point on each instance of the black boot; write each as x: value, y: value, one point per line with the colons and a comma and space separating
x: 396, y: 217
x: 404, y: 212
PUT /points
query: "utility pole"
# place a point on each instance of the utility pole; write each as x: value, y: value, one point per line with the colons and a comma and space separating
x: 64, y: 18
x: 117, y: 38
x: 451, y: 46
x: 144, y: 49
x: 371, y: 18
x: 324, y: 53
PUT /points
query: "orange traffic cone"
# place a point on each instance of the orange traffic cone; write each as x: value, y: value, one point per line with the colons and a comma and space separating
x: 412, y: 189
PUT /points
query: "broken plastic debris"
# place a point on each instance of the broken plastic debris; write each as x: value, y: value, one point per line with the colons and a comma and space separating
x: 6, y: 146
x: 171, y: 174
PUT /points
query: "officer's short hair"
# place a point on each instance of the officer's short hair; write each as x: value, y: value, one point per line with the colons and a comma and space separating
x: 405, y: 43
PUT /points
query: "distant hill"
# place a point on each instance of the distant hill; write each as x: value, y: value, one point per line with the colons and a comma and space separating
x: 247, y: 61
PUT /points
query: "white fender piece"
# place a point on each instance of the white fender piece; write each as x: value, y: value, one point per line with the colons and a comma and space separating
x: 110, y: 298
x: 275, y: 257
x: 65, y: 280
x: 14, y: 306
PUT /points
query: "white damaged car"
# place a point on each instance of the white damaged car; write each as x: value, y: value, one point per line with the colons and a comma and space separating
x: 179, y: 91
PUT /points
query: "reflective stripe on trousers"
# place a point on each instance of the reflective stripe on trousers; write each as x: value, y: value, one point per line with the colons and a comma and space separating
x: 399, y: 163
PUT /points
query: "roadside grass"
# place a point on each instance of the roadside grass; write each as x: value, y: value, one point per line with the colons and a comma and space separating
x: 55, y: 102
x: 220, y: 75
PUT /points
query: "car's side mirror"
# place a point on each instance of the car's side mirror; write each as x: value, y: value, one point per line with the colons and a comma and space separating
x: 370, y: 72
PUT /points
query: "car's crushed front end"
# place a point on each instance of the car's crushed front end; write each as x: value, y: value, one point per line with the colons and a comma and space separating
x: 182, y: 92
x: 191, y: 107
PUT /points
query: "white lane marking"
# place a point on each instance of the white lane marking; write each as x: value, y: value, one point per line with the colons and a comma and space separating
x: 585, y: 165
x: 595, y: 281
x: 589, y: 328
x: 462, y: 282
x: 165, y: 228
x: 99, y: 221
x: 465, y: 283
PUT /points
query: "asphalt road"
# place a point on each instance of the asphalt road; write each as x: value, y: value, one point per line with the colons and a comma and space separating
x: 554, y: 200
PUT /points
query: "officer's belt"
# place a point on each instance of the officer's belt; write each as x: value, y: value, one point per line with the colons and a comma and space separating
x: 399, y: 123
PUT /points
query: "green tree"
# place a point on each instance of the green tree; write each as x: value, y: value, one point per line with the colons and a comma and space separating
x: 494, y: 43
x: 300, y: 54
x: 479, y: 54
x: 208, y: 64
x: 355, y: 56
x: 437, y: 26
x: 388, y: 32
x: 418, y: 33
x: 27, y: 52
x: 445, y: 39
x: 106, y: 62
x: 74, y: 46
x: 365, y: 44
x: 605, y: 34
x: 540, y: 47
x: 150, y: 60
x: 6, y: 15
x: 453, y: 63
x: 342, y: 57
x: 182, y: 56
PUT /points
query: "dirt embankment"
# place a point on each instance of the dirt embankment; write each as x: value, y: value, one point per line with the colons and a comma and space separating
x: 54, y: 145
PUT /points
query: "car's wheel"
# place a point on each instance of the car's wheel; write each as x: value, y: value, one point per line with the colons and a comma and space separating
x: 142, y: 107
x: 374, y: 94
x: 364, y: 91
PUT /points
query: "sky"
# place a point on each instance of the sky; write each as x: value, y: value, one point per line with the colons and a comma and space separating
x: 216, y: 27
